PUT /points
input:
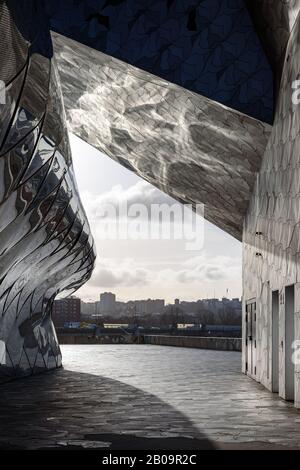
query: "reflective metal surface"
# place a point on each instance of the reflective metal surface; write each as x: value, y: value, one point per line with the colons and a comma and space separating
x: 182, y: 98
x: 45, y: 243
x: 194, y: 149
x: 13, y: 46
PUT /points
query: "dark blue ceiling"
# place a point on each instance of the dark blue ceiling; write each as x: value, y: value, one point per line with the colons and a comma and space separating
x: 207, y: 46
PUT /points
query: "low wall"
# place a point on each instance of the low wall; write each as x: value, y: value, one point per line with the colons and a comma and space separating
x: 202, y: 342
x: 222, y: 344
x: 78, y: 339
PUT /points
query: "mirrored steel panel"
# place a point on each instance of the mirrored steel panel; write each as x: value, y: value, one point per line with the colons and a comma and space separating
x: 41, y: 216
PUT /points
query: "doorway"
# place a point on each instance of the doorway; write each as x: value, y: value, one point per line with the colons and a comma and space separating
x: 251, y: 337
x: 275, y: 341
x: 289, y: 339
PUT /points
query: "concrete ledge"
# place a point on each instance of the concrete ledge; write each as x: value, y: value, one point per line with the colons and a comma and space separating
x: 77, y: 339
x: 65, y: 338
x: 222, y: 344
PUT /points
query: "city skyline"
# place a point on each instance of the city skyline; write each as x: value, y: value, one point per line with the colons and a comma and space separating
x: 155, y: 309
x: 171, y: 302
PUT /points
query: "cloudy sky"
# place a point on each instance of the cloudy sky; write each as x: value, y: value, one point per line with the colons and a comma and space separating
x: 147, y: 268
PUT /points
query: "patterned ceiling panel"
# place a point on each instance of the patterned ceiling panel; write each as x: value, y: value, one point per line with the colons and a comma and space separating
x: 206, y: 46
x: 274, y: 21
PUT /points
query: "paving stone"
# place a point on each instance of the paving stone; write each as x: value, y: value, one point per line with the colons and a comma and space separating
x: 142, y: 395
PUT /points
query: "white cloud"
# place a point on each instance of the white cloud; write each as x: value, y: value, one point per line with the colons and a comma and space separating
x: 149, y: 268
x: 139, y: 193
x: 112, y: 273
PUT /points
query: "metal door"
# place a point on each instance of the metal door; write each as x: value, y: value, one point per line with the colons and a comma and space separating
x: 251, y: 337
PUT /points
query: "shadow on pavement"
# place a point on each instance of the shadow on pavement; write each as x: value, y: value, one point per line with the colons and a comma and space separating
x: 71, y: 410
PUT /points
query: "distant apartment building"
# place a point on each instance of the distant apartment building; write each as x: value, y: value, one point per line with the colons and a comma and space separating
x: 109, y: 306
x: 149, y: 306
x: 66, y: 311
x: 88, y: 309
x: 107, y: 303
x: 97, y: 307
x: 213, y: 305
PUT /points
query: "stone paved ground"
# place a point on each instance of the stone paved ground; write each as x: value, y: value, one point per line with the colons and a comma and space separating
x: 143, y: 396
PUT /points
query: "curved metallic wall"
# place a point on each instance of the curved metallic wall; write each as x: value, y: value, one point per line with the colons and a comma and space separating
x: 45, y: 241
